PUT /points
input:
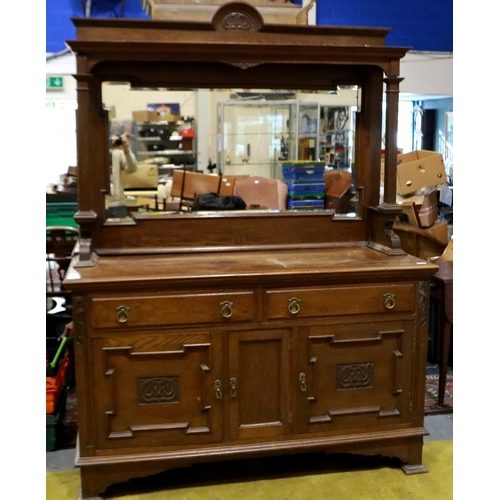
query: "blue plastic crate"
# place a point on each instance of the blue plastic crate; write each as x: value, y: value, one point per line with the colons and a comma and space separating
x: 307, y: 189
x: 303, y: 174
x: 306, y: 204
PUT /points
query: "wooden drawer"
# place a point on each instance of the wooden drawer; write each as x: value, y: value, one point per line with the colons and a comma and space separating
x: 339, y: 301
x: 181, y: 309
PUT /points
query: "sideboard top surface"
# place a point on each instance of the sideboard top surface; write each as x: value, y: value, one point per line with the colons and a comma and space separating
x: 277, y: 266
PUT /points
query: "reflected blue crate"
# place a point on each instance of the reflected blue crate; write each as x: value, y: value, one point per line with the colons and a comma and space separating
x: 308, y: 190
x: 303, y: 174
x: 306, y: 204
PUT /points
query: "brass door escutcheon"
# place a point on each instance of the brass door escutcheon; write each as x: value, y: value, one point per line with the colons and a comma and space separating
x: 217, y: 387
x: 122, y: 314
x: 232, y: 383
x: 293, y: 305
x: 226, y: 309
x: 389, y: 300
x: 302, y: 380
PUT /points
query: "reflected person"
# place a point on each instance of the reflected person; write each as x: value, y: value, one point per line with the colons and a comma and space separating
x: 122, y: 160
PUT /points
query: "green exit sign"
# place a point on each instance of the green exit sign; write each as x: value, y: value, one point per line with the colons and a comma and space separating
x: 54, y: 82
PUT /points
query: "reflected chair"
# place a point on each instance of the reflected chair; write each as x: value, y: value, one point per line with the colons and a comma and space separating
x: 59, y: 248
x: 186, y: 185
x: 338, y: 194
x: 261, y: 192
x: 227, y: 184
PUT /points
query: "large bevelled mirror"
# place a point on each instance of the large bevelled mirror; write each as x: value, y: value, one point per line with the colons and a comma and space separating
x: 237, y: 143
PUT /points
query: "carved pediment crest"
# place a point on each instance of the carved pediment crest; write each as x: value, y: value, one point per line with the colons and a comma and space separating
x: 237, y: 16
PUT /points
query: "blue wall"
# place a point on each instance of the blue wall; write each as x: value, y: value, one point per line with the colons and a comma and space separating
x: 442, y: 106
x: 421, y: 25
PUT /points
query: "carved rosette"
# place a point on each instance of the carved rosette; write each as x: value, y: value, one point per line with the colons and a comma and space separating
x: 423, y: 295
x: 236, y: 21
x: 158, y: 390
x: 78, y: 304
x: 353, y: 376
x: 237, y: 16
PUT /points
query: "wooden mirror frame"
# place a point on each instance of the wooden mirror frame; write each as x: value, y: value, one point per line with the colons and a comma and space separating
x: 235, y: 50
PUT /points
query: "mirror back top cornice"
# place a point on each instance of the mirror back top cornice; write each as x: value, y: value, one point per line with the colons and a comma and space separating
x: 236, y: 33
x: 235, y: 50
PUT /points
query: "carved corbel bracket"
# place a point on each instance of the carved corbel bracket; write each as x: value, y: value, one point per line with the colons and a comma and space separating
x: 86, y: 256
x: 383, y: 237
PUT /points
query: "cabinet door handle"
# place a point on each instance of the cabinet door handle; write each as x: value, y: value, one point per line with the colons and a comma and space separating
x: 232, y: 383
x: 389, y: 300
x: 302, y: 380
x: 218, y: 390
x: 293, y: 305
x: 122, y: 314
x: 226, y: 309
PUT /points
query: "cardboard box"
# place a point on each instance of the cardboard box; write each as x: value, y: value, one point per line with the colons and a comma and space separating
x: 382, y: 163
x: 425, y: 207
x: 419, y: 169
x: 154, y: 116
x: 144, y: 116
x: 440, y: 231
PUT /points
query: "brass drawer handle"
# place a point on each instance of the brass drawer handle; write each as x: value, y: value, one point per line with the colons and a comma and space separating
x: 389, y: 300
x: 226, y: 309
x: 232, y: 383
x: 302, y: 380
x: 293, y: 305
x: 122, y: 314
x: 217, y: 387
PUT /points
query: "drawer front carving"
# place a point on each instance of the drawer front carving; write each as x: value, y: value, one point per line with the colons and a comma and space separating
x: 185, y: 309
x: 353, y: 376
x: 339, y: 301
x: 157, y: 390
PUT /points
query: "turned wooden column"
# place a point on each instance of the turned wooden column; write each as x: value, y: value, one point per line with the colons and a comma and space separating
x: 391, y: 137
x: 92, y: 158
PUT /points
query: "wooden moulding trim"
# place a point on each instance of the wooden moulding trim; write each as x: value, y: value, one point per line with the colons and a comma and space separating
x: 88, y: 26
x: 220, y: 48
x: 207, y: 452
x: 238, y: 248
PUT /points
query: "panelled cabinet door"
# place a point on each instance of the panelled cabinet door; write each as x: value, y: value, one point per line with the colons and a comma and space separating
x: 157, y: 389
x: 258, y: 384
x: 352, y: 377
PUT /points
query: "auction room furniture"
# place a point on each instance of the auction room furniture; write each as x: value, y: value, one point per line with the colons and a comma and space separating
x: 218, y: 336
x: 442, y: 290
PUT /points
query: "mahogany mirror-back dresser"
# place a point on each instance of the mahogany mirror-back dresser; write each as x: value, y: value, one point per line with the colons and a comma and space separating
x: 211, y: 336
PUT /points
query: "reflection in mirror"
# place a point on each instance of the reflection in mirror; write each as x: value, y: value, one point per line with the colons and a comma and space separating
x: 259, y: 150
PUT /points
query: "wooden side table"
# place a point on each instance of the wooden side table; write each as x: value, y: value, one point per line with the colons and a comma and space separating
x: 442, y: 291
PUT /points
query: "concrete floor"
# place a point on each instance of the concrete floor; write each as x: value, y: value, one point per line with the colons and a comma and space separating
x: 439, y: 426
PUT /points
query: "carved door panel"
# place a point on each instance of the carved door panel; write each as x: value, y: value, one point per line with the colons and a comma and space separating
x: 353, y: 376
x: 157, y: 389
x: 258, y: 390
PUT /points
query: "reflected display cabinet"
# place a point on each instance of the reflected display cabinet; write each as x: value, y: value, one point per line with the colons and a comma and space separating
x: 215, y: 336
x: 255, y: 137
x: 164, y: 139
